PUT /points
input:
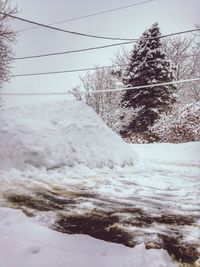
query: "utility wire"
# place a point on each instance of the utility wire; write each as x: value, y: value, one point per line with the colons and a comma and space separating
x: 108, y: 90
x: 84, y: 69
x: 63, y: 71
x: 103, y: 46
x: 146, y: 86
x: 91, y: 15
x: 35, y: 94
x: 62, y: 30
x: 70, y: 51
x: 84, y: 34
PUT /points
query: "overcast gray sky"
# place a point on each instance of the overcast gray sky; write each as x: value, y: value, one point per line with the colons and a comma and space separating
x: 172, y: 16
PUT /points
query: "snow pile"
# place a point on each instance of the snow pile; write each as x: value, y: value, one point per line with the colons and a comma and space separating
x: 58, y: 133
x: 24, y: 243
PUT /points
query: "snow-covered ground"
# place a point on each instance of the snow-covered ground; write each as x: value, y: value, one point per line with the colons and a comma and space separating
x: 175, y: 154
x: 153, y: 201
x: 24, y: 243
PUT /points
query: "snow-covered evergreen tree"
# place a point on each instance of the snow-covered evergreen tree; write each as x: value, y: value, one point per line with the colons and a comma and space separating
x: 148, y: 65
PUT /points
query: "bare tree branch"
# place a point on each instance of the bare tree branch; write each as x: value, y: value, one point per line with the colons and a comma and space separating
x: 184, y: 52
x: 7, y: 37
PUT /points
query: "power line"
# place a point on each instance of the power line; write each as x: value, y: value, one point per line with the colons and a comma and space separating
x: 62, y: 71
x: 103, y: 46
x: 91, y: 15
x: 84, y: 69
x: 62, y: 30
x: 84, y: 34
x: 35, y: 94
x: 107, y: 90
x: 70, y: 51
x: 146, y: 86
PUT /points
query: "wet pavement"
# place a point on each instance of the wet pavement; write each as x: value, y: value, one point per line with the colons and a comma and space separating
x: 158, y: 205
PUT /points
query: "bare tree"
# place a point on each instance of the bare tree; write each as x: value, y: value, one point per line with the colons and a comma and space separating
x: 197, y: 27
x: 184, y: 52
x: 121, y: 60
x: 122, y: 57
x: 7, y: 37
x: 106, y: 104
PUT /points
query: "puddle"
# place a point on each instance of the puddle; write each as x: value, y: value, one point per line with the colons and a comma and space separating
x: 109, y: 220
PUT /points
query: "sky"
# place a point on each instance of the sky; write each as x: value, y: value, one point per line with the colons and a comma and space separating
x: 172, y: 16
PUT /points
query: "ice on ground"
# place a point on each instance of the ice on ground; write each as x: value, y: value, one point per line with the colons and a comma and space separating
x: 24, y: 243
x: 58, y: 133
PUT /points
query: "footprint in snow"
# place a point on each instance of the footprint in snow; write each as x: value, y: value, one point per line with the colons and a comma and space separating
x: 34, y: 250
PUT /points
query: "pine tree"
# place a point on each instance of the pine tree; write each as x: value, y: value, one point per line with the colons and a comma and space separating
x: 148, y: 65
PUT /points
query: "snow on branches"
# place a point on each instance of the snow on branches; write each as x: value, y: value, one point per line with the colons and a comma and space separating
x: 148, y: 65
x: 106, y: 104
x: 182, y: 124
x: 7, y: 37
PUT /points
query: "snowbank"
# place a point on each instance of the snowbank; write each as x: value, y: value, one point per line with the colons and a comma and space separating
x: 58, y: 133
x: 24, y: 243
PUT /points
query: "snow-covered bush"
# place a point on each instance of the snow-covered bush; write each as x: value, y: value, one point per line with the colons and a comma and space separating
x: 182, y: 124
x: 139, y: 138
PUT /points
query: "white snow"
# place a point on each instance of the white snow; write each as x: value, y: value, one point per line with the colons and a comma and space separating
x: 34, y: 139
x: 58, y: 133
x: 24, y: 243
x: 165, y: 182
x: 186, y: 153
